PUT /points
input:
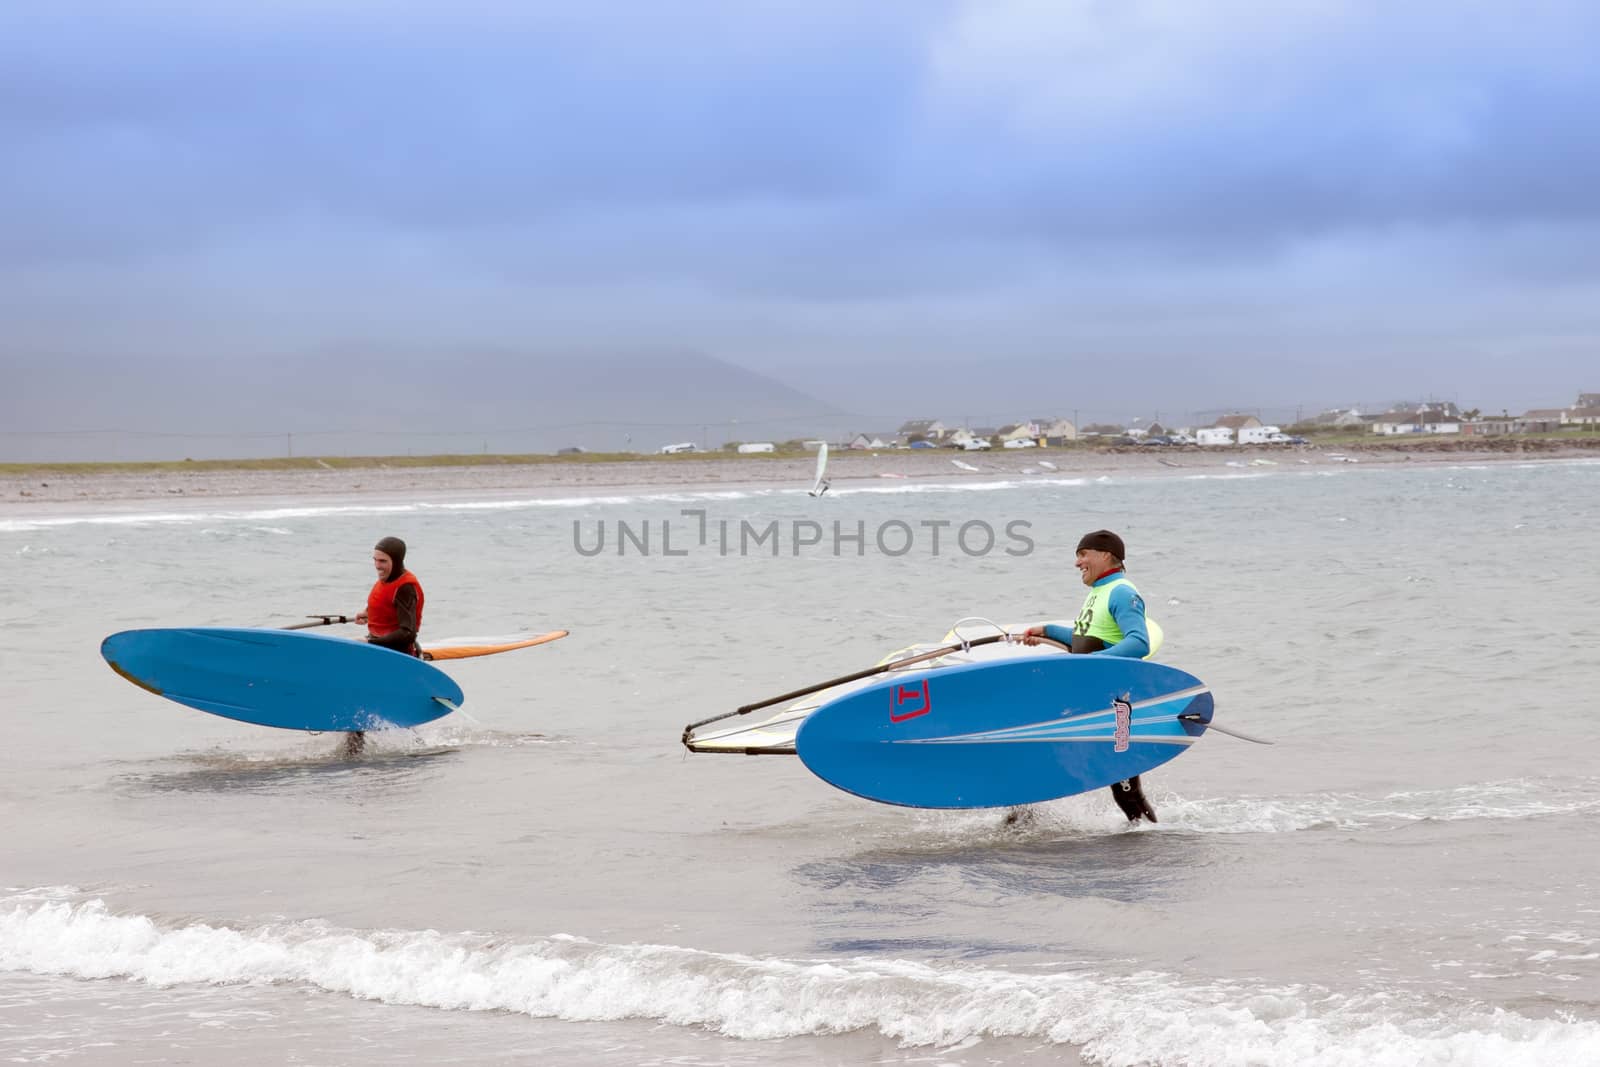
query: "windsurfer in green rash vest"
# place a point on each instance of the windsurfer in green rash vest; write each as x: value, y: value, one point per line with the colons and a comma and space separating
x: 1110, y: 623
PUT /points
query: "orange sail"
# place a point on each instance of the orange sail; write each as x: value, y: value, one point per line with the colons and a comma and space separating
x: 468, y: 651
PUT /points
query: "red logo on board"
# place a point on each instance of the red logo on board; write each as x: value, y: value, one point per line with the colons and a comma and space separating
x: 913, y: 698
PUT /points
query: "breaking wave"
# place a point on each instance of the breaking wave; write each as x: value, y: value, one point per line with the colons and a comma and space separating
x: 1141, y: 1018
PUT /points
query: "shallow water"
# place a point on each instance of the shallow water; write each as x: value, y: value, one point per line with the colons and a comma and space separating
x: 1406, y: 877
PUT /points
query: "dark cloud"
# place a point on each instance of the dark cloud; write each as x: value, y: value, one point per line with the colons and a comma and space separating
x: 194, y: 123
x: 1233, y: 185
x: 150, y: 127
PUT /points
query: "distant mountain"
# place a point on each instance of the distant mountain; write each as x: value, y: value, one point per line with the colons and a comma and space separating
x: 381, y: 400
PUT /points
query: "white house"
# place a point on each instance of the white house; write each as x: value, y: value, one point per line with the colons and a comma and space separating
x: 754, y: 447
x: 1581, y: 416
x: 1423, y: 419
x: 1214, y: 435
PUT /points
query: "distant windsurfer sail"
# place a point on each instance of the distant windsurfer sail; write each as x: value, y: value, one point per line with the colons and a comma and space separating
x: 820, y: 485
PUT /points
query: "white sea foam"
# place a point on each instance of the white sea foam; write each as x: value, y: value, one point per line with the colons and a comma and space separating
x: 674, y: 496
x: 1142, y: 1018
x: 1094, y: 814
x: 954, y: 487
x: 1512, y: 799
x: 281, y: 513
x: 268, y: 514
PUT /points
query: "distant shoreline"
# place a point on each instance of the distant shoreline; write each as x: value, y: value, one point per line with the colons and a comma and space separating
x: 26, y: 485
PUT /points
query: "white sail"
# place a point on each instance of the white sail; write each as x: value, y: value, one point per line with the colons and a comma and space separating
x: 820, y: 486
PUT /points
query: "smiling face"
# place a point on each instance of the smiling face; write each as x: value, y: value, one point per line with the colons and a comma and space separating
x: 382, y: 564
x: 1092, y: 563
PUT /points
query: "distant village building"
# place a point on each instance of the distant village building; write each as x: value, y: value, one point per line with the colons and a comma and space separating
x: 1235, y: 423
x: 1022, y: 431
x: 1539, y: 420
x: 1488, y: 427
x: 1052, y: 429
x: 1583, y: 415
x: 927, y: 429
x: 862, y: 441
x: 1214, y: 435
x: 1587, y: 400
x: 1339, y: 418
x: 1443, y: 407
x: 1425, y: 418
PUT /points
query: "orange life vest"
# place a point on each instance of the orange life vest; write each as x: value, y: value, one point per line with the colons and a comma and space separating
x: 382, y: 619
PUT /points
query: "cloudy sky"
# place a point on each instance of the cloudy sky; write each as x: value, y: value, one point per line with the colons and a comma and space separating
x: 892, y: 206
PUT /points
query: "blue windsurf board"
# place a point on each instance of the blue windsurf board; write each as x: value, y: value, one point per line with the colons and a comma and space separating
x: 287, y: 679
x: 999, y: 734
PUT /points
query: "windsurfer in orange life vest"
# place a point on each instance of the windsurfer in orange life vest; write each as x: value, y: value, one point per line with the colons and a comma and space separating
x: 394, y: 607
x: 394, y: 611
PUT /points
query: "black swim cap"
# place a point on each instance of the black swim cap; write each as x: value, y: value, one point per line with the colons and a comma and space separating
x: 395, y: 549
x: 1103, y: 541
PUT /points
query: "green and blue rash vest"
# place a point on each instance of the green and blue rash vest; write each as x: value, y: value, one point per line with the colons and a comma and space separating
x: 1113, y: 616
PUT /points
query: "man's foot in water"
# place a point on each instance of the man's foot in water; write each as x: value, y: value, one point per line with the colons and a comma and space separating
x: 1130, y: 798
x: 354, y: 744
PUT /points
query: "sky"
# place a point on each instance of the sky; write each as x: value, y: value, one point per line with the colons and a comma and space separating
x: 896, y: 208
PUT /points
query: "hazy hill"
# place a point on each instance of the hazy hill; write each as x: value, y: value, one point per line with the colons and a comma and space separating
x: 366, y: 400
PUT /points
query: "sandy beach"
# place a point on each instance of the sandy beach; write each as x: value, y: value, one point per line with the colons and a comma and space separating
x: 52, y: 489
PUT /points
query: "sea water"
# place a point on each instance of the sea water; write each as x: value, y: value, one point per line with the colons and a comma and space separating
x: 1407, y: 877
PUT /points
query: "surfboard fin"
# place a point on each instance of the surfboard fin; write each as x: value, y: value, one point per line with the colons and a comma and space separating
x: 1129, y: 796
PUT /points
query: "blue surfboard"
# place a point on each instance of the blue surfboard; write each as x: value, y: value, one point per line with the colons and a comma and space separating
x: 281, y: 678
x: 1001, y: 734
